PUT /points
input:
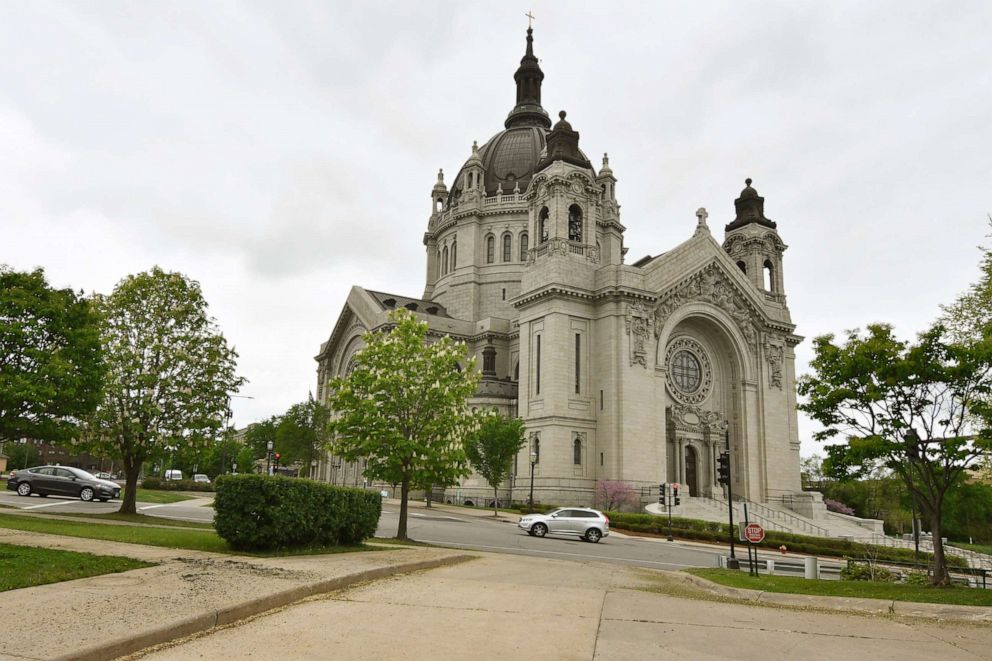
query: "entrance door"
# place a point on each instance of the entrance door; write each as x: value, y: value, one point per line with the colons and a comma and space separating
x: 691, y: 470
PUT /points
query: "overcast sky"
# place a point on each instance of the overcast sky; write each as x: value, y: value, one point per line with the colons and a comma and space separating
x: 280, y: 152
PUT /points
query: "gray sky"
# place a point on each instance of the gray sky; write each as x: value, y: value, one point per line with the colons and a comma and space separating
x: 280, y: 152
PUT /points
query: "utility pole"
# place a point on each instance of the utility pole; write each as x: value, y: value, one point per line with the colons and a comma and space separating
x: 732, y: 563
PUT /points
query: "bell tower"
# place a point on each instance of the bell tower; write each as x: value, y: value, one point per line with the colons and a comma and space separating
x: 752, y: 241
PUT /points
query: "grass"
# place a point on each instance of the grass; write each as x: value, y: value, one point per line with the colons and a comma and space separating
x: 159, y: 497
x: 173, y: 538
x: 856, y: 589
x: 140, y: 518
x: 977, y: 548
x: 25, y: 566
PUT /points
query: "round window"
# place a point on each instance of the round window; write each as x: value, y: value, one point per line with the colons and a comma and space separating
x: 686, y: 372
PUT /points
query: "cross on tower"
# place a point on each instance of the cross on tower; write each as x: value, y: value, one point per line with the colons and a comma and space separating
x: 530, y: 19
x: 701, y: 216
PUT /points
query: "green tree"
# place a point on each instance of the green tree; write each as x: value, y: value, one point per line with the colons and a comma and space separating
x: 22, y: 455
x: 403, y: 406
x: 919, y: 410
x: 51, y: 366
x: 259, y: 435
x: 171, y: 372
x: 491, y: 449
x: 301, y: 433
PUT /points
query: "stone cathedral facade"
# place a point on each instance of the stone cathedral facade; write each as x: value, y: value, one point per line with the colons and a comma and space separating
x: 641, y: 372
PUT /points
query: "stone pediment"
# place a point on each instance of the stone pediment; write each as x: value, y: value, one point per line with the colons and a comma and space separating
x: 689, y: 418
x: 713, y: 284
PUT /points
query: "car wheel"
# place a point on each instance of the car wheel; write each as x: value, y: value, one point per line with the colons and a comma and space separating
x: 86, y: 494
x: 539, y: 530
x: 23, y: 489
x: 593, y: 535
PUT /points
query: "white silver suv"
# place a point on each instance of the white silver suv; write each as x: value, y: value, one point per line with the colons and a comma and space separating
x: 582, y: 522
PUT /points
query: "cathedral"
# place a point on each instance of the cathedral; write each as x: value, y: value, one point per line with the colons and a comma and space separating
x: 640, y: 372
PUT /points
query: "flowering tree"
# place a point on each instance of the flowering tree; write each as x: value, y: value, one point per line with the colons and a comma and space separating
x: 403, y: 408
x: 613, y: 495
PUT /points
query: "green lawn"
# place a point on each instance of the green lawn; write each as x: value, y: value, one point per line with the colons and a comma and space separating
x: 173, y: 538
x: 858, y: 589
x: 159, y: 497
x: 24, y: 566
x: 139, y: 518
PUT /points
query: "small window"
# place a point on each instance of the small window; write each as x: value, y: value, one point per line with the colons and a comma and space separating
x: 575, y: 223
x: 742, y: 266
x: 490, y: 249
x: 523, y: 247
x: 439, y: 205
x: 537, y: 450
x: 600, y: 458
x: 454, y: 252
x: 444, y: 261
x: 769, y: 276
x: 577, y: 452
x: 507, y: 248
x: 542, y: 224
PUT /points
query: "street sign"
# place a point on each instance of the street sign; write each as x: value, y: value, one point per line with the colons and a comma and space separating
x: 752, y: 532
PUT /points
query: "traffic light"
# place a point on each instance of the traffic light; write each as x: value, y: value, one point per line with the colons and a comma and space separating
x: 676, y: 501
x: 723, y: 468
x: 276, y: 457
x: 661, y: 494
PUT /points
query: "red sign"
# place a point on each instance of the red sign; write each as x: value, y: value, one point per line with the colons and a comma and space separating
x: 753, y: 533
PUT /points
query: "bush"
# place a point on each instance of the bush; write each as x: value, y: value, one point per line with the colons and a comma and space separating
x: 159, y: 484
x: 837, y: 506
x: 261, y: 512
x: 866, y: 571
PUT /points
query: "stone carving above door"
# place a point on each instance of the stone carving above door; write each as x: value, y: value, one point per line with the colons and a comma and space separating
x: 689, y: 418
x: 710, y: 285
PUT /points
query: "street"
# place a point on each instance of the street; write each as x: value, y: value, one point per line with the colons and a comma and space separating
x: 188, y: 510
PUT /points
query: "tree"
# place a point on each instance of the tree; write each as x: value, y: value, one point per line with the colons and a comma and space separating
x: 51, y: 366
x: 260, y: 434
x: 170, y: 374
x: 491, y: 449
x: 919, y: 410
x: 301, y: 433
x: 403, y: 406
x: 969, y: 318
x: 614, y: 495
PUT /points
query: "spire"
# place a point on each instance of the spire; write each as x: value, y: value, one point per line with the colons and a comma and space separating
x: 528, y: 110
x: 750, y: 209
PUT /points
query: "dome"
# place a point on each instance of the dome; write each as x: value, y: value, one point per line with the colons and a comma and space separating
x: 510, y: 158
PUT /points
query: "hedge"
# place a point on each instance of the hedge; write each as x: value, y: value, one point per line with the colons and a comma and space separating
x: 711, y: 531
x: 262, y: 512
x: 175, y: 485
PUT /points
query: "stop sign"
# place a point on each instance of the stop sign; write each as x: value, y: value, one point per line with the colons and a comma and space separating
x: 754, y: 533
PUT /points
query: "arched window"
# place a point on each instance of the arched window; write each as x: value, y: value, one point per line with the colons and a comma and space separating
x: 516, y: 371
x: 438, y: 269
x: 523, y: 247
x: 454, y: 253
x: 742, y: 266
x: 542, y: 224
x: 490, y: 249
x: 769, y: 273
x: 507, y: 248
x: 575, y: 223
x: 439, y: 205
x: 444, y: 261
x: 577, y: 451
x: 537, y: 451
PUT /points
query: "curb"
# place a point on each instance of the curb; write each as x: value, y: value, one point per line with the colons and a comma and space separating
x: 974, y: 614
x: 199, y: 623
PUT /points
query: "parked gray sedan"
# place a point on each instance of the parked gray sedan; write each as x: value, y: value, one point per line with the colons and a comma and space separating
x: 62, y: 481
x: 582, y: 522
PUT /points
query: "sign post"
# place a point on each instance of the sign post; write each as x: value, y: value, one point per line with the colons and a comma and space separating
x: 752, y: 533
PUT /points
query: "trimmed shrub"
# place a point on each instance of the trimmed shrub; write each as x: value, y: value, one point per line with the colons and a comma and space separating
x: 261, y: 512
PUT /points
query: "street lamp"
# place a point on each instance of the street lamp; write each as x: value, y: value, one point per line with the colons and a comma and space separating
x: 268, y: 458
x: 533, y: 460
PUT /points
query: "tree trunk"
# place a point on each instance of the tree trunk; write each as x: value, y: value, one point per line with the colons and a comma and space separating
x: 132, y: 467
x: 404, y: 495
x: 495, y: 501
x: 941, y: 577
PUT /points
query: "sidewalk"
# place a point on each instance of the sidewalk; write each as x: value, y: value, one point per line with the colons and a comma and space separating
x: 107, y: 616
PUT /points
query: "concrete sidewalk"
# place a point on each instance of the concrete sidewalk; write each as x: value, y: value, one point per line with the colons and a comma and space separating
x: 107, y: 616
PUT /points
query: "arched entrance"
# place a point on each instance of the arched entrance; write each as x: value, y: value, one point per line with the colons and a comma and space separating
x: 691, y: 470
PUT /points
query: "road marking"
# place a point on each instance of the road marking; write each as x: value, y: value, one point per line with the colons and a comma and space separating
x: 585, y: 556
x: 52, y: 504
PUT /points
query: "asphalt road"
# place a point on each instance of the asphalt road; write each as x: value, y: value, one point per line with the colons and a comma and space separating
x: 442, y: 528
x: 502, y: 535
x: 187, y: 510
